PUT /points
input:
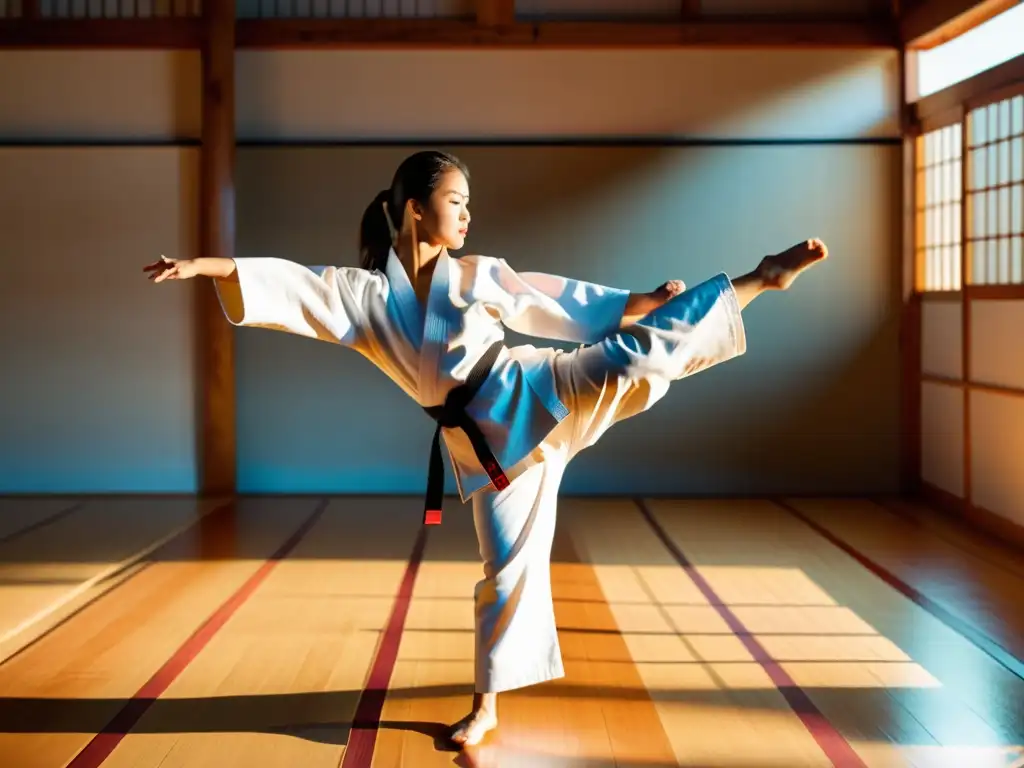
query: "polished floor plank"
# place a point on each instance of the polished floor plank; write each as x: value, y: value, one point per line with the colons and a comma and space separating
x: 899, y: 685
x: 581, y: 720
x: 432, y: 680
x: 655, y: 675
x: 971, y: 584
x: 67, y: 686
x: 994, y: 568
x: 279, y: 683
x: 959, y: 532
x: 606, y: 657
x: 717, y: 705
x: 971, y: 589
x: 48, y: 566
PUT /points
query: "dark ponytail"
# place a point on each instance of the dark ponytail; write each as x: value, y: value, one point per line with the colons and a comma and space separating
x: 416, y: 179
x: 375, y: 234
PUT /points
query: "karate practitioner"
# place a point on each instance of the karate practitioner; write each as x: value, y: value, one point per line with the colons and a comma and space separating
x: 427, y: 319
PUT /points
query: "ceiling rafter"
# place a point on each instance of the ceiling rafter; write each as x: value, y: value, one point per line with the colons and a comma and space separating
x: 501, y: 30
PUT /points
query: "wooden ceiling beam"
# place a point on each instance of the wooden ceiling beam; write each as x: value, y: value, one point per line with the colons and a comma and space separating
x: 722, y: 34
x: 449, y: 33
x: 180, y: 33
x: 454, y: 33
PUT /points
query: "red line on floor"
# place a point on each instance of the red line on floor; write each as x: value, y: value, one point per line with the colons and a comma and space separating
x: 973, y: 635
x: 832, y: 743
x: 104, y: 743
x: 363, y: 736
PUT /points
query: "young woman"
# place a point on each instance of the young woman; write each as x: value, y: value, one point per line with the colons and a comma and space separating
x: 512, y: 418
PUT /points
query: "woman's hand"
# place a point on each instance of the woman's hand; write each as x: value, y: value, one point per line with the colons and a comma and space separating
x: 183, y: 269
x: 171, y: 269
x: 639, y: 305
x: 669, y: 290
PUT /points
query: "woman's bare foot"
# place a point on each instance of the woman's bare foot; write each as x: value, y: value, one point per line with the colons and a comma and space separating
x: 780, y: 270
x: 471, y: 729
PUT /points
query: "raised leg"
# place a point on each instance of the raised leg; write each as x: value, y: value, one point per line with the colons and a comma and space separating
x: 630, y: 370
x: 516, y: 638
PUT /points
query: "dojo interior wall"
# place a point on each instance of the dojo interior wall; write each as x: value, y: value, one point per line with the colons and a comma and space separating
x: 799, y: 143
x: 98, y: 370
x: 992, y: 447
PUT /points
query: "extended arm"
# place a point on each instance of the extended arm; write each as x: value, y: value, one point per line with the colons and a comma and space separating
x: 218, y: 268
x: 555, y: 307
x: 325, y: 303
x: 183, y: 269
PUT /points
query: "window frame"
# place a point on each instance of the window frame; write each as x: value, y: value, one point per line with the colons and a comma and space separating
x: 939, y: 110
x: 951, y: 106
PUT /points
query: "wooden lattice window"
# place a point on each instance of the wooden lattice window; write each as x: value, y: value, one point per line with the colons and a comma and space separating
x: 938, y: 209
x: 995, y: 192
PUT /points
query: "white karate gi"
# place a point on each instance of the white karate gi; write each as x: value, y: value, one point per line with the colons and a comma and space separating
x: 538, y: 408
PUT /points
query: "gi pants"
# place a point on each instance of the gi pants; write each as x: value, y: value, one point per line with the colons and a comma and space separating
x: 601, y: 384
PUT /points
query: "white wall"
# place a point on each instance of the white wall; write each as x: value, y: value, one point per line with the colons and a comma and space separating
x: 813, y: 407
x: 147, y: 96
x: 663, y: 94
x: 354, y: 95
x: 97, y: 386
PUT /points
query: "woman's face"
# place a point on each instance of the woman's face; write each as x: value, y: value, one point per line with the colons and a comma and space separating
x: 445, y: 220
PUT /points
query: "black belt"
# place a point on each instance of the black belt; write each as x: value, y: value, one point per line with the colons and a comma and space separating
x: 453, y: 414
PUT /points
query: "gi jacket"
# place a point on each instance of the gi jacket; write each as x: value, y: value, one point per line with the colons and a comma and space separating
x: 471, y: 301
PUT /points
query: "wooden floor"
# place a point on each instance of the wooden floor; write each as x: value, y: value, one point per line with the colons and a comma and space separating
x: 781, y: 633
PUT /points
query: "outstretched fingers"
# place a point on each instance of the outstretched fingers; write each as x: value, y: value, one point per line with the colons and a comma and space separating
x: 164, y: 269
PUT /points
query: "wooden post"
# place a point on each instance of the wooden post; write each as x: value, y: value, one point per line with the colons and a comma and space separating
x: 910, y: 297
x: 495, y: 13
x: 910, y: 325
x: 216, y: 388
x: 965, y: 309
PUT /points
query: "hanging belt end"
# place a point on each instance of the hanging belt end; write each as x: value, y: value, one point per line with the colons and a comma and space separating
x: 496, y: 475
x: 432, y: 517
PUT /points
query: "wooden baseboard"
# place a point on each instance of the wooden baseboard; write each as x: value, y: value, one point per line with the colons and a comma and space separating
x: 979, y: 517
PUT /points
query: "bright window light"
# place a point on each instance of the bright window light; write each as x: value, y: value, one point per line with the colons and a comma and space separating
x: 999, y: 39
